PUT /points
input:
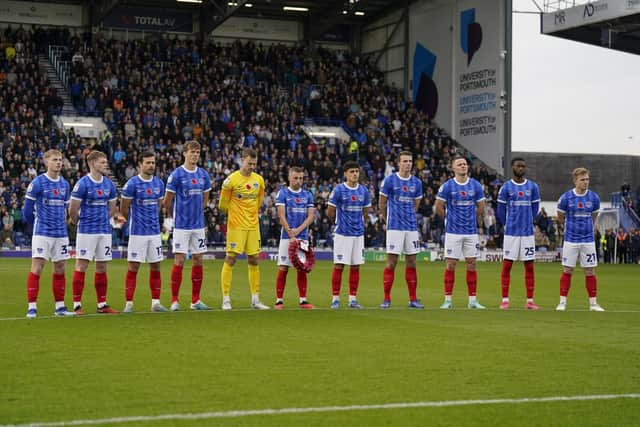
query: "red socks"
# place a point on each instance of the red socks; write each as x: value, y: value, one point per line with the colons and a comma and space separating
x: 155, y: 284
x: 58, y: 285
x: 130, y: 285
x: 387, y: 283
x: 336, y: 281
x: 411, y: 276
x: 281, y: 281
x: 196, y: 283
x: 472, y: 282
x: 449, y: 279
x: 565, y: 284
x: 100, y: 281
x: 78, y: 286
x: 176, y: 281
x: 529, y: 278
x: 302, y: 284
x: 33, y: 286
x: 592, y: 285
x: 506, y: 277
x: 354, y: 280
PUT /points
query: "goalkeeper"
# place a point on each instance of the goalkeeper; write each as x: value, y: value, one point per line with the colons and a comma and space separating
x: 296, y: 212
x: 241, y: 197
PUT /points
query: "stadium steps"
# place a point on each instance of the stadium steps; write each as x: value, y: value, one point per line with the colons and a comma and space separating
x: 56, y: 83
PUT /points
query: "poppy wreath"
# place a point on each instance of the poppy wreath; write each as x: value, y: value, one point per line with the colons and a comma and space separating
x: 294, y: 256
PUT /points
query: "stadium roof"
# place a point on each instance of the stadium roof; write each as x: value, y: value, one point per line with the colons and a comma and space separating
x: 317, y: 15
x: 615, y: 26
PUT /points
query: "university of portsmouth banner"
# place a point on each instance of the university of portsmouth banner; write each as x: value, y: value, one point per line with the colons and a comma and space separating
x: 149, y: 19
x: 457, y: 72
x: 479, y: 72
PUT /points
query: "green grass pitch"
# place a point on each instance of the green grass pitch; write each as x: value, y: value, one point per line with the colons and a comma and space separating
x: 150, y: 364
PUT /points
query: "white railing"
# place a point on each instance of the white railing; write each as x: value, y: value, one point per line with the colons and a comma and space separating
x: 554, y: 5
x: 62, y: 67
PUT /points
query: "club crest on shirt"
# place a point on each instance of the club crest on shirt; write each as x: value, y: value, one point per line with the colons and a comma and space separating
x: 588, y: 204
x: 255, y: 185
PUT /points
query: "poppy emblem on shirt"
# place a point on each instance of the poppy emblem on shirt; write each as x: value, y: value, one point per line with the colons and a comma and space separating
x: 297, y: 199
x: 55, y: 191
x: 353, y: 198
x: 99, y: 192
x: 463, y: 193
x: 405, y: 189
x: 520, y: 194
x: 194, y: 181
x: 149, y: 192
x: 248, y: 187
x: 580, y: 205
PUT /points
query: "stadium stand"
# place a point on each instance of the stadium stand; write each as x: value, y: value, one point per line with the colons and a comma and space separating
x: 159, y: 93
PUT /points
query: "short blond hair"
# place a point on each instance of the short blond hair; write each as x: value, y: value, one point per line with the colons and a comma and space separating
x: 579, y: 171
x: 51, y: 153
x: 95, y: 155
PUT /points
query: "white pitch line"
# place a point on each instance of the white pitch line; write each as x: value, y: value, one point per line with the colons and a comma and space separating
x: 285, y: 411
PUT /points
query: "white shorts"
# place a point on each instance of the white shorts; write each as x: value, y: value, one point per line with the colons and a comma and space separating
x: 348, y: 250
x: 90, y: 246
x: 145, y: 249
x: 458, y: 246
x: 50, y: 248
x: 403, y: 242
x: 586, y: 251
x: 521, y: 248
x: 193, y: 241
x: 283, y: 252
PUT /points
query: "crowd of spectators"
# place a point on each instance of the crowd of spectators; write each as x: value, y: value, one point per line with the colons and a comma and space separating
x: 158, y: 93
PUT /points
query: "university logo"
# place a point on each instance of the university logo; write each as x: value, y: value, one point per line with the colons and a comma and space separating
x: 425, y: 91
x: 470, y: 33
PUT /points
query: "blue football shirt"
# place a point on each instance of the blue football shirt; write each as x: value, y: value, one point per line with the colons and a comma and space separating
x: 401, y: 194
x: 94, y: 197
x: 520, y: 200
x: 578, y: 210
x: 296, y: 205
x: 145, y: 195
x: 189, y: 188
x: 51, y: 198
x: 349, y: 203
x: 461, y: 203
